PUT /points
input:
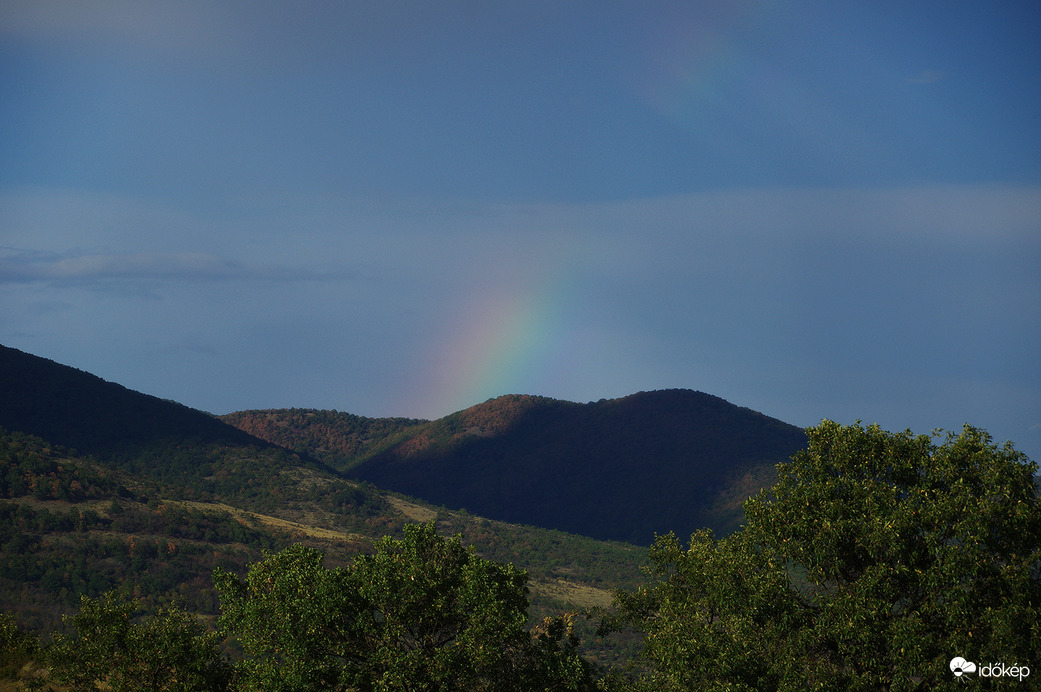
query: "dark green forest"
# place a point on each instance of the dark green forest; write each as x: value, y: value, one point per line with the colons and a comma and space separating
x: 620, y: 469
x: 200, y: 557
x: 873, y: 561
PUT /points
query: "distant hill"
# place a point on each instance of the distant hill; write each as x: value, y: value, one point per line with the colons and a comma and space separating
x: 79, y: 410
x: 142, y: 435
x: 103, y: 487
x: 329, y: 436
x: 618, y: 469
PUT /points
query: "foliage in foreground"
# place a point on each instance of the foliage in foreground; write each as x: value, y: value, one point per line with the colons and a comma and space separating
x: 17, y: 647
x: 875, y: 560
x: 170, y: 651
x: 421, y: 613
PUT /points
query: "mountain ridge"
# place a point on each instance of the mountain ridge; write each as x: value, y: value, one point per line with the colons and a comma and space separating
x: 153, y: 509
x: 83, y: 412
x: 619, y: 469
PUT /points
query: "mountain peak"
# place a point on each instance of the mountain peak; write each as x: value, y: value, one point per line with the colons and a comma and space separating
x: 622, y: 469
x: 78, y: 410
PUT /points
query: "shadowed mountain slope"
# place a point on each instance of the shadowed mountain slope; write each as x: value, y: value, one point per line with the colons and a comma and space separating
x: 621, y: 469
x: 134, y: 432
x: 76, y: 409
x: 155, y: 495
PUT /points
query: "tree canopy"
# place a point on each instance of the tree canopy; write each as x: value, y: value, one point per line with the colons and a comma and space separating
x: 421, y: 613
x: 170, y: 651
x: 875, y: 560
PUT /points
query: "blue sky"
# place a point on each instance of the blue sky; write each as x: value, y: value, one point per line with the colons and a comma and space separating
x: 813, y: 209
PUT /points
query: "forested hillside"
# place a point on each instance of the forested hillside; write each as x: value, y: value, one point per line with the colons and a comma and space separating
x: 148, y: 496
x: 79, y: 410
x: 334, y: 437
x: 620, y: 469
x: 188, y: 554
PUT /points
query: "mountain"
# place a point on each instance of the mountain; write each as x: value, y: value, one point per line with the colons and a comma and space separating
x: 76, y: 409
x: 132, y: 432
x: 102, y: 487
x: 329, y: 436
x: 619, y: 469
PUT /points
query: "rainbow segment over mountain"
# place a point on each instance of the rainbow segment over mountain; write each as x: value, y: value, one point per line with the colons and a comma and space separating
x: 529, y: 334
x: 511, y: 337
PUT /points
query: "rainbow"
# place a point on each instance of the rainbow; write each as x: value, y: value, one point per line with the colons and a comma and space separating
x: 511, y: 337
x: 516, y: 336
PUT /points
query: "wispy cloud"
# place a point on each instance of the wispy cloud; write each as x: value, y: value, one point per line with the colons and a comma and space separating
x: 176, y: 27
x: 21, y: 266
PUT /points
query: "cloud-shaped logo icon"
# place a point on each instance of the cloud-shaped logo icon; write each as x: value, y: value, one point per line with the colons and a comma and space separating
x: 959, y: 666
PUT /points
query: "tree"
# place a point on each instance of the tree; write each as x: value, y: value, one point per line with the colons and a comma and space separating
x: 718, y: 613
x: 169, y: 651
x: 421, y: 613
x: 874, y: 560
x: 17, y: 647
x: 287, y: 615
